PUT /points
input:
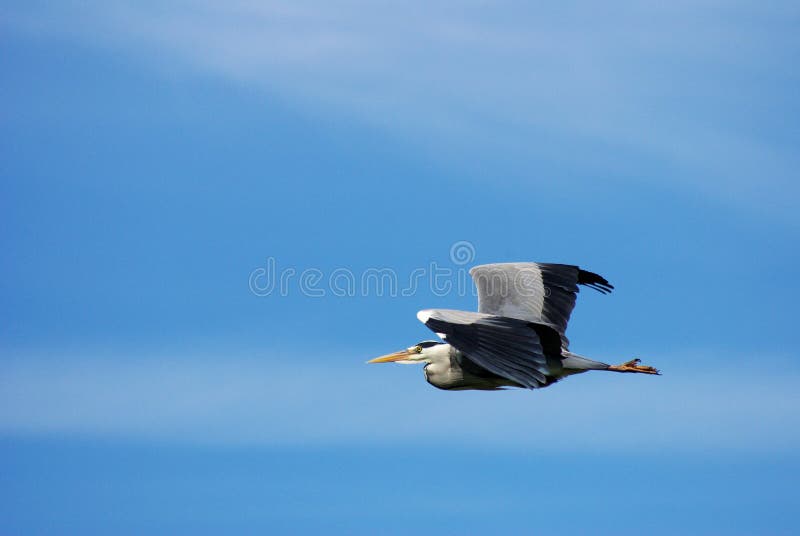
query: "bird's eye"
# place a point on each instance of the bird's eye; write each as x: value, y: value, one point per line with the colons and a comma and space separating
x: 418, y: 349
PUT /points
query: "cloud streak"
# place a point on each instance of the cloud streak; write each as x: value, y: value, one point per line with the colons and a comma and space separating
x: 244, y: 401
x: 684, y: 86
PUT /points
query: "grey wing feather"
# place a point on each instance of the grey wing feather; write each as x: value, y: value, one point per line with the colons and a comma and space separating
x: 536, y: 292
x: 508, y: 347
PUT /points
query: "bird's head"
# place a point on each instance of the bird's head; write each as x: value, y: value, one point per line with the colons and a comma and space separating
x: 422, y: 352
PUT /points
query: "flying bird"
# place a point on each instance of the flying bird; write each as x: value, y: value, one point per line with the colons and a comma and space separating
x: 517, y: 337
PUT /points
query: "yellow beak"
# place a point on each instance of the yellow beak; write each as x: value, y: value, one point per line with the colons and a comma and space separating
x: 397, y: 356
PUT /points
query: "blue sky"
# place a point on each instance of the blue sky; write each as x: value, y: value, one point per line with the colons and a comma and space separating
x: 154, y: 155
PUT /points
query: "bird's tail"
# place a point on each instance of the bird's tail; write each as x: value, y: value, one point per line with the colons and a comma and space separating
x: 577, y: 362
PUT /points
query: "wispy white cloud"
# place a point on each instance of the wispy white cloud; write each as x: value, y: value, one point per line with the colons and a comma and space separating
x: 294, y: 401
x: 680, y: 83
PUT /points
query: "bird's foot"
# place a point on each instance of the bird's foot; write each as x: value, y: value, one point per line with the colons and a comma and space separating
x: 634, y: 366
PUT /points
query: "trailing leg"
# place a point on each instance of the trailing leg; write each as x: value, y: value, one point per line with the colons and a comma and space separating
x: 633, y: 366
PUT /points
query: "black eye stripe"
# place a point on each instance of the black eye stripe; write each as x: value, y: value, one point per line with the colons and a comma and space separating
x: 428, y: 344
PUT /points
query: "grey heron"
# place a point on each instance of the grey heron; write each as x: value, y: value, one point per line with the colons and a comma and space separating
x: 517, y: 337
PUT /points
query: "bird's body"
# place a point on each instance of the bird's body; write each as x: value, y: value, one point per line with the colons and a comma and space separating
x: 452, y: 370
x: 516, y: 339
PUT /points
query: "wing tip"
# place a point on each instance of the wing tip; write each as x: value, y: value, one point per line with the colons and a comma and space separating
x: 595, y: 281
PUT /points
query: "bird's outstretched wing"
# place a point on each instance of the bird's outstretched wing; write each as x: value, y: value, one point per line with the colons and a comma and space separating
x: 536, y: 292
x: 509, y: 347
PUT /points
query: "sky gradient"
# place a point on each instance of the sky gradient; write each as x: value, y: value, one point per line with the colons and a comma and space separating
x: 153, y: 156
